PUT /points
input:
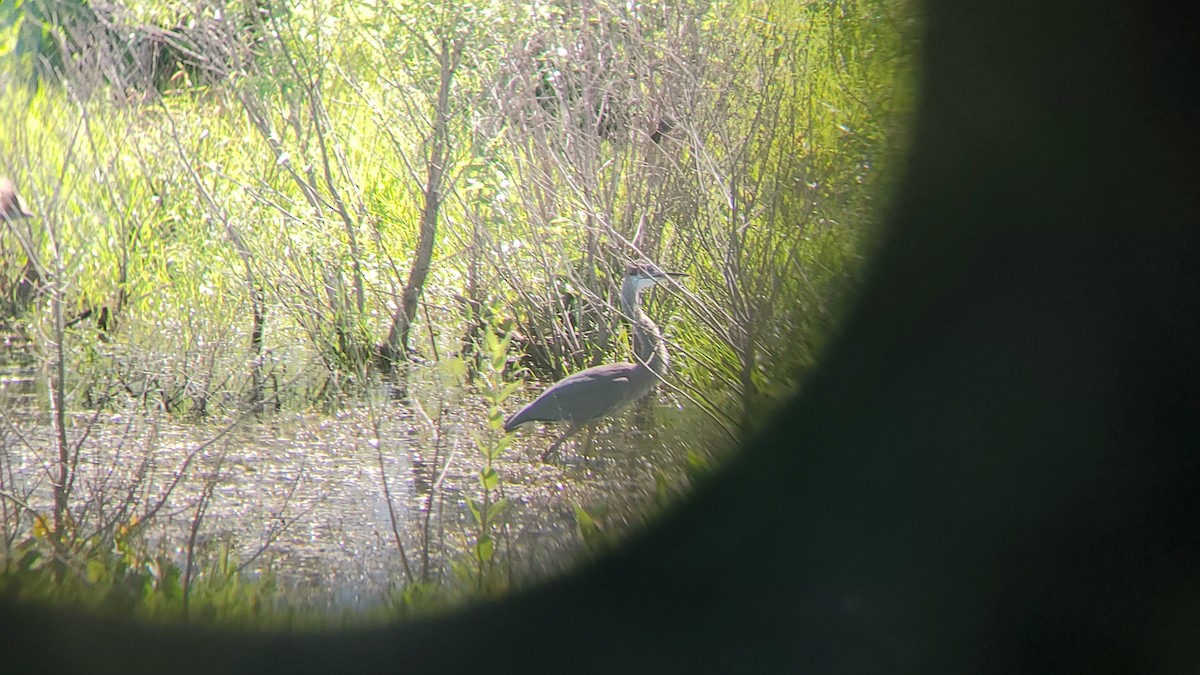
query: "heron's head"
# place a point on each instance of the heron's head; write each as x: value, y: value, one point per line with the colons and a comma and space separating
x: 644, y: 276
x: 638, y: 277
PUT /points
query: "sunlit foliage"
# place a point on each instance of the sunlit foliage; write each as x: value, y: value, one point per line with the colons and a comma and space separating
x: 231, y: 199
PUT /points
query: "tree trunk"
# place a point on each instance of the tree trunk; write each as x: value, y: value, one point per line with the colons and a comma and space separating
x: 395, y: 347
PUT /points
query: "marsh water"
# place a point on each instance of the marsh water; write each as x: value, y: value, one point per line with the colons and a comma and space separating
x: 305, y: 494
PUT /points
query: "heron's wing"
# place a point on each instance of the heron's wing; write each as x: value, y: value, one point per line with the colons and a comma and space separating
x: 586, y: 395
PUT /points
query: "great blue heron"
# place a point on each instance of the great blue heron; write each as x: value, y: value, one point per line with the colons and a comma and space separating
x: 590, y: 394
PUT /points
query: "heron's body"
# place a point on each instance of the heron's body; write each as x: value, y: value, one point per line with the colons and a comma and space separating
x: 600, y: 391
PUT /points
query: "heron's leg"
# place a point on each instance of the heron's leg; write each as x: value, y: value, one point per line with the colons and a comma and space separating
x: 574, y: 429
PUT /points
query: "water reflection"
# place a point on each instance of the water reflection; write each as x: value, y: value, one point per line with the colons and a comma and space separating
x: 302, y: 494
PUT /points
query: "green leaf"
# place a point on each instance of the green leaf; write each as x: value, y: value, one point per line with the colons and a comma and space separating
x: 489, y: 478
x: 29, y: 560
x: 462, y: 570
x: 41, y: 529
x: 95, y: 571
x: 584, y: 519
x: 591, y: 529
x: 496, y: 509
x: 505, y: 342
x: 508, y: 389
x: 499, y: 359
x: 480, y: 446
x: 485, y: 548
x: 495, y: 416
x: 698, y: 465
x: 456, y: 368
x: 501, y: 444
x: 474, y: 507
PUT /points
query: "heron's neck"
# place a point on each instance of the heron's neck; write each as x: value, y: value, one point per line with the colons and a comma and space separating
x: 648, y: 346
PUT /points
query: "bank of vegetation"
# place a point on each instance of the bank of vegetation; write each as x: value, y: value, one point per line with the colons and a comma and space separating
x: 247, y: 207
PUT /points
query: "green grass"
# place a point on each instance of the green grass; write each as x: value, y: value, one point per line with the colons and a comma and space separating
x: 290, y: 183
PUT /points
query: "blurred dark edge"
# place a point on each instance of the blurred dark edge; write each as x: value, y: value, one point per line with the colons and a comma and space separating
x: 995, y: 468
